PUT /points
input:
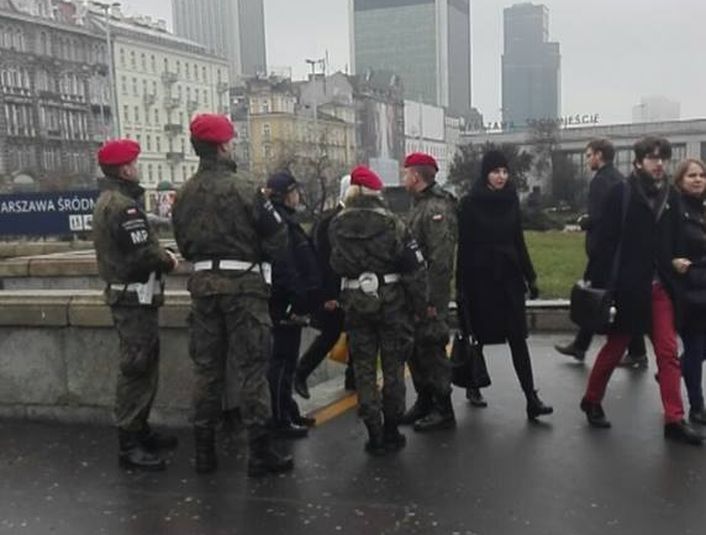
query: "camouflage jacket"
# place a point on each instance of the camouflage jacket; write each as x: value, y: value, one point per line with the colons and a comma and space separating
x: 127, y: 249
x: 433, y: 223
x: 367, y: 237
x: 218, y: 216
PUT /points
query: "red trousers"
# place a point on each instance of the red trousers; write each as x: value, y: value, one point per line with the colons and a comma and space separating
x: 664, y: 340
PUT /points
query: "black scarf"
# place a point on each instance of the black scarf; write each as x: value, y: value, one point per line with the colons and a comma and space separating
x: 653, y: 192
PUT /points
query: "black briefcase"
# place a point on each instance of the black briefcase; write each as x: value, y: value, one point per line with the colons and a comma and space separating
x: 592, y: 309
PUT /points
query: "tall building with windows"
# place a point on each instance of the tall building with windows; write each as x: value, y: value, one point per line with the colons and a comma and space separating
x: 531, y: 66
x: 233, y: 29
x: 55, y: 104
x: 427, y: 43
x: 161, y: 81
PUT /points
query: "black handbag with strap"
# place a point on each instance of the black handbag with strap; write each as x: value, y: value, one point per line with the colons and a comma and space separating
x: 593, y: 309
x: 468, y: 368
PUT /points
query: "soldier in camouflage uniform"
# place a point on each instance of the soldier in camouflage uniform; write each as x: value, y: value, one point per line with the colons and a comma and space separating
x: 433, y: 224
x: 383, y: 286
x: 228, y: 229
x: 131, y: 262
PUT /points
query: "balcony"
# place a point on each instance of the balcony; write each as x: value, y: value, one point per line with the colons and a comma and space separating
x: 52, y: 133
x: 149, y: 100
x: 169, y: 78
x: 174, y: 158
x: 171, y: 102
x: 173, y: 129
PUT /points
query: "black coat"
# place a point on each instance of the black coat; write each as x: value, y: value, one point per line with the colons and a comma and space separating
x: 602, y: 182
x: 695, y: 249
x: 651, y: 239
x: 331, y: 281
x: 493, y: 266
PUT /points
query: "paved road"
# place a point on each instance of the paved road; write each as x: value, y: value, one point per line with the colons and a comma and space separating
x: 496, y: 474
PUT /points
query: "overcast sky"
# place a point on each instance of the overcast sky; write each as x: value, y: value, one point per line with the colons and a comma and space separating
x: 613, y: 51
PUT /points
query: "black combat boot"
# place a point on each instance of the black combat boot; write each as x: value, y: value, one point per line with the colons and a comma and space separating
x: 423, y: 406
x: 376, y: 442
x: 391, y: 436
x: 442, y: 417
x: 134, y: 456
x: 595, y: 414
x: 683, y: 432
x: 153, y: 441
x: 205, y: 461
x: 697, y: 415
x: 264, y: 459
x: 536, y: 407
x: 475, y: 397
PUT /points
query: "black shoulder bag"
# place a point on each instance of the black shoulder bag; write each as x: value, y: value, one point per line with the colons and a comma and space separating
x: 468, y: 369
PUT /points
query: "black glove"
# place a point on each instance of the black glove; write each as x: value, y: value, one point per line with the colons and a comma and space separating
x: 533, y: 290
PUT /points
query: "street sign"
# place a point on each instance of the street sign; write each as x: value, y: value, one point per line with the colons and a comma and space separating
x: 46, y: 214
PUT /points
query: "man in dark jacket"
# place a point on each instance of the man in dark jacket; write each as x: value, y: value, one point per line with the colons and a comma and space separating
x: 643, y: 230
x: 599, y: 159
x: 296, y: 291
x: 328, y: 317
x: 131, y: 262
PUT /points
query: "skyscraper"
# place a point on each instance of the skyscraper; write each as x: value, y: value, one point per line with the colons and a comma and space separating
x: 427, y: 43
x: 530, y: 66
x: 234, y: 29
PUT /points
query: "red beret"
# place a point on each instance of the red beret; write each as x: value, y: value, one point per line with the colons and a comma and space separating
x: 118, y: 152
x: 212, y: 128
x: 419, y: 158
x: 362, y: 176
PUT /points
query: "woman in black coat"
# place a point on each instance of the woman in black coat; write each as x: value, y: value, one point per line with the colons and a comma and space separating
x: 690, y: 180
x: 494, y: 271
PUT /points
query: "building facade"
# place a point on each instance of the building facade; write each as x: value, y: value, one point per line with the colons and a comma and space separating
x: 531, y: 67
x: 656, y: 108
x: 427, y: 43
x: 55, y: 105
x: 161, y: 82
x: 233, y: 29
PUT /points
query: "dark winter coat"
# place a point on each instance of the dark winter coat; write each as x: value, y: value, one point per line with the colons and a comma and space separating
x: 493, y: 267
x: 331, y: 282
x: 602, y: 182
x: 296, y: 276
x: 695, y: 249
x: 651, y: 238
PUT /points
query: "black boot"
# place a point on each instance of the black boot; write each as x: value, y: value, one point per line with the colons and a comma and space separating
x: 134, y: 456
x: 205, y: 460
x: 683, y: 432
x: 595, y: 415
x: 264, y: 459
x: 697, y: 416
x: 392, y: 438
x: 300, y: 386
x: 154, y: 441
x: 420, y: 409
x: 475, y: 397
x: 571, y: 350
x: 535, y: 406
x: 376, y: 443
x: 636, y: 362
x: 349, y: 383
x: 442, y: 417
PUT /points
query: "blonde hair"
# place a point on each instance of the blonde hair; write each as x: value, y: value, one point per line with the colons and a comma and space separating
x: 356, y: 191
x: 683, y: 168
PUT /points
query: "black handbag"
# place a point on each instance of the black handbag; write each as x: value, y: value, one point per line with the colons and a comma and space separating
x: 468, y: 369
x: 594, y: 309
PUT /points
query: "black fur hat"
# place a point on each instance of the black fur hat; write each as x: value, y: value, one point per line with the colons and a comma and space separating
x: 493, y: 159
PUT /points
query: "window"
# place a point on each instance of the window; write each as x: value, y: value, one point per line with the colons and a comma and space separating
x: 122, y: 57
x: 159, y: 172
x: 149, y: 143
x: 132, y: 59
x: 153, y: 64
x: 187, y: 71
x: 154, y: 88
x: 149, y: 173
x: 196, y: 72
x: 137, y: 114
x: 178, y: 71
x: 268, y: 151
x: 166, y: 64
x: 196, y: 95
x: 156, y: 117
x: 144, y: 87
x: 205, y: 77
x: 143, y: 62
x: 126, y: 113
x: 158, y: 141
x: 266, y: 132
x: 134, y: 87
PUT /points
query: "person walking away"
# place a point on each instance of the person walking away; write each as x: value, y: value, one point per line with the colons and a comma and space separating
x: 229, y: 230
x: 383, y: 287
x: 494, y: 270
x: 131, y: 263
x: 433, y: 223
x: 641, y: 241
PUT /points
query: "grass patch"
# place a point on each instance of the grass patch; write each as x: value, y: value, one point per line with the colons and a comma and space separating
x: 559, y: 259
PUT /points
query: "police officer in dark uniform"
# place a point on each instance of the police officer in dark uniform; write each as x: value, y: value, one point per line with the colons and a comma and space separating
x: 228, y: 229
x: 296, y: 292
x: 432, y: 221
x: 131, y: 262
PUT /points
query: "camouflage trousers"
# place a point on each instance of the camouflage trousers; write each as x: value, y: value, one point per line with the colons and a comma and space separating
x: 390, y: 336
x: 138, y: 371
x: 230, y: 338
x: 429, y: 363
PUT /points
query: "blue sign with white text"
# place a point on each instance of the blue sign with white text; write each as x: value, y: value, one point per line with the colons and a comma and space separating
x: 46, y: 214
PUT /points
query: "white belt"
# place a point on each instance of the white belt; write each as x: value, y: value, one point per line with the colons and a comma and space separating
x: 236, y: 265
x: 134, y: 287
x: 355, y: 284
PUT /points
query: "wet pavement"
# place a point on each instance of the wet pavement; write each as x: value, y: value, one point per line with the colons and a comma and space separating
x: 495, y: 474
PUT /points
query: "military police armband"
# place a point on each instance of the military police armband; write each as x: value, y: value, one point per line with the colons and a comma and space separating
x: 267, y: 220
x: 133, y: 230
x: 412, y: 257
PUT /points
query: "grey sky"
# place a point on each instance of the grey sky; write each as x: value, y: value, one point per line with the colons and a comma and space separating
x: 613, y: 51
